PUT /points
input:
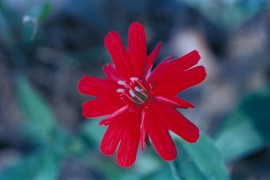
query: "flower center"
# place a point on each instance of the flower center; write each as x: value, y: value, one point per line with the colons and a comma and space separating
x: 135, y: 90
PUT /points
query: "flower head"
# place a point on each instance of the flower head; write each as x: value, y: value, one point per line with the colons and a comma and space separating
x: 140, y: 103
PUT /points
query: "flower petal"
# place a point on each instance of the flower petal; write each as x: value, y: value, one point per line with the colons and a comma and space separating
x: 176, y: 122
x: 181, y: 82
x: 137, y: 48
x: 159, y: 135
x: 152, y: 57
x: 175, y: 101
x: 97, y: 87
x: 101, y: 106
x: 114, y: 132
x: 128, y: 148
x: 143, y: 131
x: 168, y: 69
x: 111, y: 72
x: 119, y: 54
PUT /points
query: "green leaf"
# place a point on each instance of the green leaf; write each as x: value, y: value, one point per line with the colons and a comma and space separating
x: 5, y: 29
x: 45, y: 11
x: 233, y: 16
x: 33, y: 20
x: 246, y: 130
x: 92, y: 131
x: 201, y: 160
x: 146, y: 164
x: 40, y: 165
x: 39, y: 119
x: 163, y: 173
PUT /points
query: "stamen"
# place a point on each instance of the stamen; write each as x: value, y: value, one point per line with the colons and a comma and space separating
x: 141, y: 85
x: 134, y: 79
x: 129, y: 98
x: 131, y: 93
x: 120, y: 90
x: 136, y: 96
x: 141, y: 91
x: 137, y: 89
x: 121, y: 82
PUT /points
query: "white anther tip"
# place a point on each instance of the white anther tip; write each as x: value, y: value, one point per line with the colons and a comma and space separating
x: 134, y: 79
x: 121, y: 82
x: 137, y: 89
x: 131, y: 93
x: 120, y: 90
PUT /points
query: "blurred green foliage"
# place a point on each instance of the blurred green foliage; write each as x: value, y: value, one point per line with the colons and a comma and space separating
x: 43, y: 165
x: 201, y: 160
x: 246, y: 130
x: 226, y: 14
x: 40, y: 121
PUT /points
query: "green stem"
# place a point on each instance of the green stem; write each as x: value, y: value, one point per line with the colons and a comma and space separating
x: 174, y: 171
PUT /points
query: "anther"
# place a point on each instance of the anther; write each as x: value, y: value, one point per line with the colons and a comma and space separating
x: 141, y: 91
x: 129, y: 98
x: 121, y: 82
x: 134, y: 79
x: 132, y: 93
x: 120, y: 90
x: 141, y: 85
x: 137, y: 89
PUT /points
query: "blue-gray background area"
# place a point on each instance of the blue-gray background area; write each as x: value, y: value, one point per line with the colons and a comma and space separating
x: 47, y: 46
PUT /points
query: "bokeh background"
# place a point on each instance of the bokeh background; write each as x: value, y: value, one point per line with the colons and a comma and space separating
x: 47, y: 46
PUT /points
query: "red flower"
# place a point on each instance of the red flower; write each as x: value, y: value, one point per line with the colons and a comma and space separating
x: 141, y: 104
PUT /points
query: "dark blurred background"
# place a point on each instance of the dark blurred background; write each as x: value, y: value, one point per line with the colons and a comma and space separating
x: 47, y: 46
